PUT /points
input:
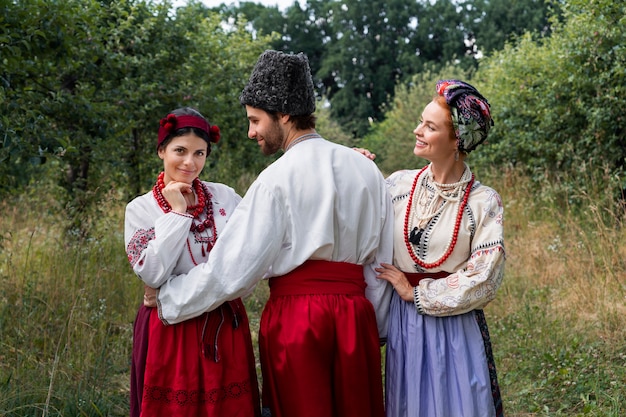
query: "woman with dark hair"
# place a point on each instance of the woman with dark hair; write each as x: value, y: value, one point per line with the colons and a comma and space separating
x: 448, y: 263
x: 203, y: 366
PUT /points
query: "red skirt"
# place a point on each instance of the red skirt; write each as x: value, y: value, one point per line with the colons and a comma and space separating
x: 203, y: 367
x: 319, y: 345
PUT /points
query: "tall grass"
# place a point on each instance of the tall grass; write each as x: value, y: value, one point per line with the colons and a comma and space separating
x: 558, y: 325
x: 66, y: 316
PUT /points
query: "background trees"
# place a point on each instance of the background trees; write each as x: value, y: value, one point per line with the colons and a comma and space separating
x: 360, y: 50
x: 492, y: 23
x: 560, y: 100
x: 84, y: 82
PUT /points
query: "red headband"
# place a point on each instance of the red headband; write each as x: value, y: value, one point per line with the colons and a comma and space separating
x: 171, y: 123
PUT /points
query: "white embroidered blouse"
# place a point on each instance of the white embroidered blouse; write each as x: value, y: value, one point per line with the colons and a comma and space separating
x: 476, y: 265
x: 160, y: 244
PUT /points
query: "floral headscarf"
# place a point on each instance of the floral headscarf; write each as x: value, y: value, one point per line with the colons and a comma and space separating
x: 471, y: 115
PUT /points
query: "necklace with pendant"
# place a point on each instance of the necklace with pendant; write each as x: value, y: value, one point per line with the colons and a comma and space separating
x: 413, y: 237
x: 204, y: 206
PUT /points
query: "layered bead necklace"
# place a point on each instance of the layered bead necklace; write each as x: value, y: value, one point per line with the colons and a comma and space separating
x: 446, y: 192
x: 204, y: 205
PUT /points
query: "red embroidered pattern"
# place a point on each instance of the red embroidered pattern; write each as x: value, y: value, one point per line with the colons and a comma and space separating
x: 191, y: 398
x: 138, y: 243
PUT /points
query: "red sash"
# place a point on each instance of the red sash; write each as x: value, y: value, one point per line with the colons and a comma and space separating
x: 415, y: 277
x: 320, y: 277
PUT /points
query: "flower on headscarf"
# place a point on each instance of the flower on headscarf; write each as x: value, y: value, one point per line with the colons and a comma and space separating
x: 214, y: 133
x: 471, y: 114
x: 442, y: 86
x: 172, y: 123
x: 169, y: 123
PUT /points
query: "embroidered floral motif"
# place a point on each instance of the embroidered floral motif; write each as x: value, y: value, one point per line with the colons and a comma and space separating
x: 222, y: 212
x: 138, y: 243
x: 497, y: 211
x: 184, y: 398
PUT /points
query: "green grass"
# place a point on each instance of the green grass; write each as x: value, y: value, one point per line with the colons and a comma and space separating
x: 558, y: 325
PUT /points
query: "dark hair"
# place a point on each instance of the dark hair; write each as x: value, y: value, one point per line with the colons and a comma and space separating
x: 302, y: 122
x: 188, y: 111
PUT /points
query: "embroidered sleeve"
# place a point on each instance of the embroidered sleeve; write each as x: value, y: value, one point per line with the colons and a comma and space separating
x: 475, y: 285
x: 138, y: 243
x: 154, y: 244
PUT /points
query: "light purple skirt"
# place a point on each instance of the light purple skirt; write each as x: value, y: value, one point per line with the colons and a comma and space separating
x: 439, y: 366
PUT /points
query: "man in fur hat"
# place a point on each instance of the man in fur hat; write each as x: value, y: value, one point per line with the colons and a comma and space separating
x: 315, y: 223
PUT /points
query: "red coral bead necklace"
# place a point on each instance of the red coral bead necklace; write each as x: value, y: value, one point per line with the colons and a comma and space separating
x: 204, y: 204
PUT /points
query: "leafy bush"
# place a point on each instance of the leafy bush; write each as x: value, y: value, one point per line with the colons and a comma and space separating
x: 560, y: 102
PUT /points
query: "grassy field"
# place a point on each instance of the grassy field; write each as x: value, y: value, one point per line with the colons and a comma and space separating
x: 558, y: 325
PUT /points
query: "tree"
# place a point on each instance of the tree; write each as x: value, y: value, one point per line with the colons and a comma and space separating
x: 360, y: 64
x: 186, y: 60
x: 559, y: 102
x: 491, y: 23
x: 86, y: 81
x: 263, y: 20
x: 32, y: 47
x: 359, y: 50
x: 53, y: 80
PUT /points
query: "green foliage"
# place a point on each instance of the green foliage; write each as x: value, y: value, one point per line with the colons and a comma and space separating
x: 440, y: 34
x: 37, y: 37
x: 359, y: 50
x: 494, y: 22
x: 559, y: 101
x: 84, y: 84
x: 264, y: 20
x: 65, y: 317
x: 552, y: 372
x: 361, y: 60
x: 555, y: 326
x: 330, y: 129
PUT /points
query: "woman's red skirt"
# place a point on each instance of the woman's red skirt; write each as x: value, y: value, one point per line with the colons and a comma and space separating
x: 202, y: 367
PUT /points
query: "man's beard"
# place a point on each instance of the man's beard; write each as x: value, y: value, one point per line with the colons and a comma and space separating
x: 273, y: 140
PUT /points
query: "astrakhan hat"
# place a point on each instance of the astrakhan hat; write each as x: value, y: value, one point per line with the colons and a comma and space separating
x: 281, y: 83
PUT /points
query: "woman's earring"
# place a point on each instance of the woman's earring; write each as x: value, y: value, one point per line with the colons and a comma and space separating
x: 456, y: 155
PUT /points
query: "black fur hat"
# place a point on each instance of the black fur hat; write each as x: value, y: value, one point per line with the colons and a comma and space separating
x: 280, y: 83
